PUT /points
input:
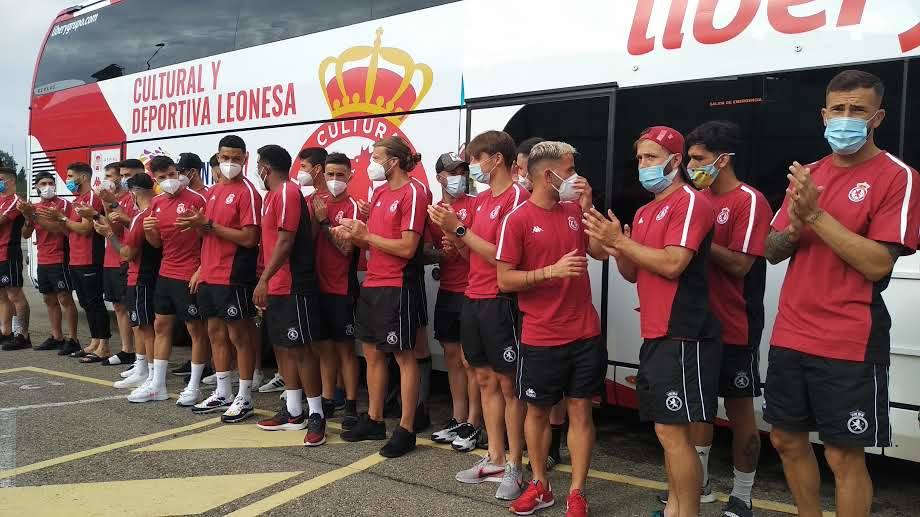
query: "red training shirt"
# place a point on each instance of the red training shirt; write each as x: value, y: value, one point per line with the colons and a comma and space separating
x: 181, y: 250
x: 127, y: 207
x: 286, y: 210
x: 676, y: 308
x: 559, y: 311
x: 742, y: 224
x: 333, y: 270
x: 393, y: 212
x: 455, y: 271
x: 826, y: 307
x: 51, y: 246
x: 234, y: 204
x: 11, y: 231
x: 488, y: 214
x: 85, y: 250
x: 143, y: 269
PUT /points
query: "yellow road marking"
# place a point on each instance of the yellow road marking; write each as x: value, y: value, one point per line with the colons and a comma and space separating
x: 105, y: 448
x: 154, y: 497
x: 19, y: 369
x: 65, y: 375
x: 236, y: 437
x: 280, y: 498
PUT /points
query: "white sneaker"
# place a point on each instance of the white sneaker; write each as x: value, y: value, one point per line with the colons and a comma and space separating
x: 127, y: 373
x: 134, y: 381
x: 240, y: 410
x: 143, y: 386
x: 148, y: 393
x: 257, y: 377
x: 211, y: 380
x: 275, y: 384
x: 188, y: 397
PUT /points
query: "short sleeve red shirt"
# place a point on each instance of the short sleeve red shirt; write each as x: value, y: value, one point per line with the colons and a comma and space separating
x: 488, y: 214
x: 51, y: 246
x: 742, y: 223
x: 676, y: 308
x: 127, y: 207
x: 333, y: 269
x: 455, y: 270
x: 181, y: 250
x: 826, y: 307
x: 393, y: 212
x: 143, y: 269
x: 85, y: 250
x: 285, y: 210
x: 556, y: 312
x: 11, y: 231
x: 235, y: 205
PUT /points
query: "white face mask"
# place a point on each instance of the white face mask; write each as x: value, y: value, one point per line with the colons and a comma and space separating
x: 567, y: 189
x: 107, y: 184
x: 336, y: 187
x: 183, y: 180
x: 170, y: 186
x: 455, y: 186
x: 305, y: 179
x: 47, y: 192
x: 230, y: 170
x: 525, y: 182
x: 376, y: 172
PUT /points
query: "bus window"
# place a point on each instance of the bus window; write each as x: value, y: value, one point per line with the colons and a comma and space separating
x: 187, y: 30
x: 383, y: 8
x: 265, y: 21
x: 912, y: 128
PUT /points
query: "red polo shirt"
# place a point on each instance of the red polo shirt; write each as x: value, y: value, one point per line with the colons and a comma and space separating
x: 455, y: 271
x: 393, y: 212
x: 146, y: 264
x: 127, y: 207
x: 334, y: 271
x: 85, y: 250
x: 286, y: 210
x: 11, y: 231
x: 234, y: 204
x: 488, y: 214
x: 181, y: 250
x: 51, y: 246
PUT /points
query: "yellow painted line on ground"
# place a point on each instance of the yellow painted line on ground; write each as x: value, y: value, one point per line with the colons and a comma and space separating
x: 105, y: 448
x: 285, y: 496
x: 19, y: 369
x: 169, y: 496
x: 66, y: 375
x: 237, y: 437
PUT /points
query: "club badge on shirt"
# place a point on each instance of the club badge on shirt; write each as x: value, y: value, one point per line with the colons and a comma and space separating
x: 394, y: 206
x: 573, y: 223
x: 722, y: 218
x: 858, y: 193
x: 230, y: 198
x: 662, y: 213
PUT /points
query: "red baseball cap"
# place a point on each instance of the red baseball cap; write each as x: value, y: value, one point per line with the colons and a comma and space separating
x: 666, y: 137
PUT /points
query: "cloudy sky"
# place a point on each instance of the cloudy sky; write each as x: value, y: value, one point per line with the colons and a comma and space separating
x: 20, y: 42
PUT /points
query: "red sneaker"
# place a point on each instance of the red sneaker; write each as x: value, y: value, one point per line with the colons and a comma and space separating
x: 316, y: 431
x: 576, y: 505
x: 536, y: 497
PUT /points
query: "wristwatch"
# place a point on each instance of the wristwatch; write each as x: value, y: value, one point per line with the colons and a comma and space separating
x: 114, y: 206
x: 208, y: 226
x: 460, y: 231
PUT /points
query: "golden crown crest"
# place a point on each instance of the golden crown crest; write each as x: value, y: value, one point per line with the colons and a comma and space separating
x: 346, y: 100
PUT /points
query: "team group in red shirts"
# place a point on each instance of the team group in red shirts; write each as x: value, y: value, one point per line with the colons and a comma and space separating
x: 523, y: 344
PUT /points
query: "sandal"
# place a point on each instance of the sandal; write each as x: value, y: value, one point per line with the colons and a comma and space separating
x: 80, y: 353
x: 92, y: 358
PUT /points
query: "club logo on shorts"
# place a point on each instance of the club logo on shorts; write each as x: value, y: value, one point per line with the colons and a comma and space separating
x: 394, y: 206
x: 662, y: 213
x: 530, y: 393
x: 339, y: 216
x: 573, y: 223
x: 349, y: 330
x: 742, y: 380
x: 857, y: 424
x: 292, y: 334
x: 5, y: 279
x: 509, y: 355
x: 858, y: 193
x: 133, y: 315
x: 673, y: 401
x: 230, y: 198
x: 494, y: 212
x: 61, y: 284
x: 391, y: 338
x: 193, y: 310
x: 723, y: 215
x: 232, y: 311
x: 462, y: 214
x: 180, y: 208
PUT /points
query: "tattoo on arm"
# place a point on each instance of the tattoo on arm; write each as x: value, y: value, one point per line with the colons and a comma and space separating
x: 779, y: 247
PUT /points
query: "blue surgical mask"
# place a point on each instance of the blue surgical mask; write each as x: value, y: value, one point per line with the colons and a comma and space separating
x: 2, y: 187
x: 847, y: 135
x: 654, y: 179
x: 455, y: 185
x: 479, y: 175
x: 72, y: 186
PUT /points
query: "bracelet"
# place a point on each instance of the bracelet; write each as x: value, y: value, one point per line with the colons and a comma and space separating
x: 814, y: 217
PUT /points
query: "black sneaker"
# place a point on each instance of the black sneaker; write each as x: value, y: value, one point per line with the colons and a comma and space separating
x: 5, y: 339
x: 422, y: 420
x: 350, y: 420
x: 401, y: 442
x: 366, y: 429
x: 120, y: 358
x: 49, y: 344
x: 184, y: 370
x: 328, y: 408
x: 70, y: 346
x: 19, y: 342
x: 316, y: 431
x: 736, y: 508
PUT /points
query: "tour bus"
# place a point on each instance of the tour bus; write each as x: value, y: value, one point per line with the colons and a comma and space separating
x: 134, y: 79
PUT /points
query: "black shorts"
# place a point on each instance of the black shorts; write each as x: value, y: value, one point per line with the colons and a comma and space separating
x: 422, y: 306
x: 447, y: 310
x: 226, y: 302
x: 740, y: 372
x: 172, y: 297
x: 11, y: 273
x: 336, y: 317
x: 678, y: 380
x: 576, y: 370
x: 115, y: 283
x: 388, y: 317
x: 54, y: 278
x: 139, y: 301
x: 846, y: 402
x: 490, y: 332
x: 293, y: 320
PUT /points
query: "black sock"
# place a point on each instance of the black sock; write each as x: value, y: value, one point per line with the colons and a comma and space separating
x: 351, y: 407
x: 554, y: 442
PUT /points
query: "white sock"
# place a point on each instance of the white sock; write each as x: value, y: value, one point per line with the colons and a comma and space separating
x: 316, y: 405
x: 245, y: 389
x: 140, y: 366
x: 149, y: 371
x: 744, y: 482
x: 294, y: 401
x: 160, y: 366
x: 194, y: 381
x: 223, y: 385
x: 704, y: 459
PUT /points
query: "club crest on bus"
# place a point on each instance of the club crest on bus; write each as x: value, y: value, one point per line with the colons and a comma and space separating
x: 367, y: 81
